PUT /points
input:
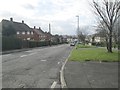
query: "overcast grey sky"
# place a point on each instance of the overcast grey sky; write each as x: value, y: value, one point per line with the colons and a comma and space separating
x: 61, y: 14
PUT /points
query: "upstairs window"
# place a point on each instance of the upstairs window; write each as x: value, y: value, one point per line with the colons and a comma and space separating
x: 18, y: 32
x: 23, y: 32
x: 32, y: 33
x: 28, y: 32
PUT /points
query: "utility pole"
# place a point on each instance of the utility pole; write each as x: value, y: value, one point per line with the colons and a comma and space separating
x: 50, y: 34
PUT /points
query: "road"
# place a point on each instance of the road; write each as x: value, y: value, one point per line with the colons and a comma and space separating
x: 36, y: 68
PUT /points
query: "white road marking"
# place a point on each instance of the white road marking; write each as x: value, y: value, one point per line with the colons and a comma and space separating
x: 28, y: 51
x: 53, y: 85
x: 32, y: 53
x: 43, y: 60
x: 23, y: 55
x: 58, y: 62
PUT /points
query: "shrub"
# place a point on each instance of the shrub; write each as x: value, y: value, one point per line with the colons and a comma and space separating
x: 9, y: 43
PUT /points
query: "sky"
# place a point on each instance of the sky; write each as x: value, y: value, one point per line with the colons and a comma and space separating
x: 61, y: 14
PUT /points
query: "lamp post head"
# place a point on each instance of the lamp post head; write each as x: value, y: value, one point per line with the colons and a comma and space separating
x: 77, y: 16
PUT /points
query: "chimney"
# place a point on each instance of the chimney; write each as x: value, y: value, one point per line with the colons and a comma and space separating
x: 39, y: 28
x: 11, y: 19
x: 34, y: 27
x: 49, y: 28
x: 23, y: 21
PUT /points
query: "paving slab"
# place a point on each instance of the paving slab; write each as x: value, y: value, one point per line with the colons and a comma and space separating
x: 91, y: 74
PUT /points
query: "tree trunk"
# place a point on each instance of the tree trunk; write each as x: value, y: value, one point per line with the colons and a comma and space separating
x: 110, y: 41
x: 107, y: 44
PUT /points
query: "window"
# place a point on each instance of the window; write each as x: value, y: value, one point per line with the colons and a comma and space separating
x: 18, y: 32
x: 28, y: 32
x: 23, y: 32
x: 32, y: 33
x: 28, y: 38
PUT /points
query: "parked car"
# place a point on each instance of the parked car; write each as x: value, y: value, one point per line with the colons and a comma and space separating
x: 72, y: 44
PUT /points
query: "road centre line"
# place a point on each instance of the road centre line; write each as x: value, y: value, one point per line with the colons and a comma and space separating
x: 23, y: 55
x: 28, y: 55
x: 43, y: 60
x: 58, y: 62
x: 32, y: 53
x: 28, y: 51
x: 53, y: 85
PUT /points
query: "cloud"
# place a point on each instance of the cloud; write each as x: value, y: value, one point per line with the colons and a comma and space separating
x: 28, y: 6
x: 60, y: 13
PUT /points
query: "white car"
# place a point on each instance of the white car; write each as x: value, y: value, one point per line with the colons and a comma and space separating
x: 72, y: 44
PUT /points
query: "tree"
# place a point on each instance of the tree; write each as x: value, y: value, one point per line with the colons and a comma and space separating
x: 82, y: 33
x: 108, y: 11
x: 103, y: 32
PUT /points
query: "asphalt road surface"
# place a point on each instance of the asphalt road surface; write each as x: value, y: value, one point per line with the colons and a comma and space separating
x: 37, y: 68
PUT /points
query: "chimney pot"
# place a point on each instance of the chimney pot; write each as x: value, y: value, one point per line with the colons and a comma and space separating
x: 34, y: 27
x: 39, y: 27
x: 22, y: 21
x: 11, y: 19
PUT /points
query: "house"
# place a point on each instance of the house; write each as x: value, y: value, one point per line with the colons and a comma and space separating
x: 39, y: 35
x: 58, y: 38
x: 98, y: 38
x: 48, y: 36
x: 20, y: 30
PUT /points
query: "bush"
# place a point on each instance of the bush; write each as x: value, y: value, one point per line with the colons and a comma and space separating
x: 32, y: 44
x: 9, y: 43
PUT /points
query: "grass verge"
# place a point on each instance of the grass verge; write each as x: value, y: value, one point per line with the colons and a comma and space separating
x: 84, y: 46
x: 93, y: 54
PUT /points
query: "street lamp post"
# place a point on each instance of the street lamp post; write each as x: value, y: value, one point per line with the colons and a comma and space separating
x: 77, y: 25
x: 77, y: 22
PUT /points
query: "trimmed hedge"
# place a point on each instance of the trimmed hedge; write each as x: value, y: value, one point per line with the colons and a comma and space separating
x: 11, y: 43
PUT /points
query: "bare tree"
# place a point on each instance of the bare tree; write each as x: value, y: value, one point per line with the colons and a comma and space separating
x: 103, y: 32
x: 82, y: 33
x: 108, y: 12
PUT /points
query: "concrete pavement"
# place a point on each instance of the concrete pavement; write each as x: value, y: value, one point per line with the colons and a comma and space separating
x: 91, y: 74
x: 36, y: 68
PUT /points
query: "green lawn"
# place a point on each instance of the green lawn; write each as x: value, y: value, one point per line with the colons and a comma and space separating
x: 95, y: 54
x: 83, y: 46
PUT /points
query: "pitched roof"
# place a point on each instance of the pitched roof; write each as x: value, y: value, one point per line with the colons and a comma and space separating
x: 38, y: 31
x: 16, y: 25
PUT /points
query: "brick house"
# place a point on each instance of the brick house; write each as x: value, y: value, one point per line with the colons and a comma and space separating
x: 39, y: 35
x: 21, y: 30
x: 48, y: 36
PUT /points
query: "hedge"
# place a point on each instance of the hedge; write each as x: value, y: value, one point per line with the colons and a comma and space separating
x: 11, y: 43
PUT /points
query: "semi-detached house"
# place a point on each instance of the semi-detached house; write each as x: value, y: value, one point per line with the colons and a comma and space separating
x: 22, y: 30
